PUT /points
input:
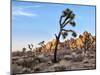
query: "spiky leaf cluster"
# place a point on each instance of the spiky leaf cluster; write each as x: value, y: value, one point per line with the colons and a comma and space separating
x: 67, y: 17
x: 64, y: 34
x: 72, y: 23
x: 74, y: 34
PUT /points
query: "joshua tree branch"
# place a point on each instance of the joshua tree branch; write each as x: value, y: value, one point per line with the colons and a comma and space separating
x: 56, y: 36
x: 66, y: 23
x: 68, y: 30
x: 60, y: 21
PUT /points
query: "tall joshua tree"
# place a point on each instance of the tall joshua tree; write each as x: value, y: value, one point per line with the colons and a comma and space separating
x: 67, y: 18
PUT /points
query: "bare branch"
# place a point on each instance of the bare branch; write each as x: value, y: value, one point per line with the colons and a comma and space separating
x: 42, y: 42
x: 66, y: 23
x: 32, y: 45
x: 73, y: 32
x: 68, y: 30
x: 60, y: 21
x: 56, y: 36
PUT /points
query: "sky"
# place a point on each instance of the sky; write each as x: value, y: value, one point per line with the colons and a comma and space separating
x: 34, y: 22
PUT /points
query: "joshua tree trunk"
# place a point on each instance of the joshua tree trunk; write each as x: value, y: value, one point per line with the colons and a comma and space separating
x: 57, y: 42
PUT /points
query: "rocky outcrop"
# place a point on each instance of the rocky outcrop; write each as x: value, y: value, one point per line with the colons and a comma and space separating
x: 79, y: 42
x: 73, y: 44
x: 50, y: 46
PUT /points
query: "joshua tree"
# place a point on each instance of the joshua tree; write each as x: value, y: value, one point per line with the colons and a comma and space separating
x: 67, y: 18
x: 24, y: 50
x: 42, y: 44
x: 30, y: 46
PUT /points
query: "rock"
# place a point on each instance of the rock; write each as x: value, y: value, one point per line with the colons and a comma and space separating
x: 63, y: 62
x: 28, y: 59
x: 49, y: 62
x: 68, y: 57
x: 62, y: 65
x: 77, y: 57
x: 48, y: 45
x: 20, y: 62
x: 36, y: 69
x: 85, y: 61
x: 79, y: 51
x: 93, y: 61
x: 26, y: 70
x: 16, y: 69
x: 15, y: 58
x: 58, y: 67
x: 89, y: 66
x: 25, y: 62
x: 39, y: 67
x: 91, y: 56
x: 79, y: 43
x: 41, y: 58
x: 36, y: 61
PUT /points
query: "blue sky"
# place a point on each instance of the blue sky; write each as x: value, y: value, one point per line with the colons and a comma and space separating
x: 34, y: 22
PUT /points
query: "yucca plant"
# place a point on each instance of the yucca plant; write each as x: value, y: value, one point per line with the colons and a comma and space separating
x: 30, y: 46
x: 42, y: 44
x: 67, y: 18
x: 23, y: 50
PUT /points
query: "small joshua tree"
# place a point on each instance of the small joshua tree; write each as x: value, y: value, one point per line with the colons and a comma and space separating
x: 67, y: 18
x: 24, y: 50
x: 42, y: 44
x: 30, y: 46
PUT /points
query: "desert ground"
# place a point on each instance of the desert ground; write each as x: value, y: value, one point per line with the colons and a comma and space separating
x: 43, y: 62
x: 73, y: 54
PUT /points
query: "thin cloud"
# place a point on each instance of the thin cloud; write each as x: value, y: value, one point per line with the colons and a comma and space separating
x: 21, y: 11
x: 24, y: 13
x: 26, y: 7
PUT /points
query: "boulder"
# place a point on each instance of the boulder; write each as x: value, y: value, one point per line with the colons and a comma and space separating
x: 41, y: 58
x: 20, y: 61
x: 57, y: 67
x: 26, y: 70
x: 77, y: 57
x: 48, y: 46
x: 68, y: 57
x: 16, y: 69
